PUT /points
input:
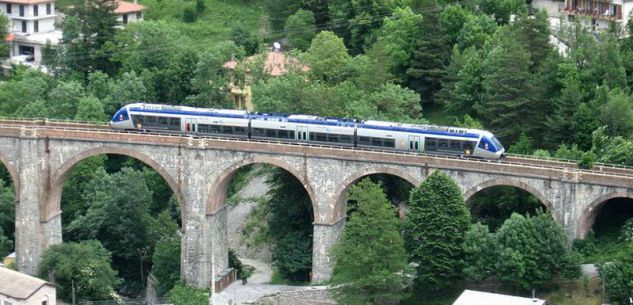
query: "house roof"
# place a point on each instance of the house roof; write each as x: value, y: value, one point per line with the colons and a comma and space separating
x: 276, y: 63
x: 18, y: 285
x: 124, y: 7
x: 471, y: 297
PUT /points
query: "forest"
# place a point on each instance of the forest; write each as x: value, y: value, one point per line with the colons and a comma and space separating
x: 485, y: 64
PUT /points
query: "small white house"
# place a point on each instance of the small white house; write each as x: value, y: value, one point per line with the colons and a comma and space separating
x: 20, y: 289
x: 471, y: 297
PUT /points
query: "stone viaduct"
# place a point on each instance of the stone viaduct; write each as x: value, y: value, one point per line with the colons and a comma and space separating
x: 198, y: 170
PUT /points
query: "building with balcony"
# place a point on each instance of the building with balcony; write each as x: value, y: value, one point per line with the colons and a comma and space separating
x: 597, y: 14
x: 128, y: 12
x: 31, y: 27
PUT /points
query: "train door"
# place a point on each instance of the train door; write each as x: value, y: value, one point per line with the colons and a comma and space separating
x: 414, y: 143
x: 190, y: 125
x: 302, y: 134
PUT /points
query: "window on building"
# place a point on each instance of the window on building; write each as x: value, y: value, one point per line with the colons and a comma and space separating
x: 48, y: 9
x: 23, y: 26
x: 9, y: 8
x: 36, y: 26
x: 139, y: 16
x: 125, y: 19
x: 44, y: 302
x: 21, y: 10
x: 35, y: 10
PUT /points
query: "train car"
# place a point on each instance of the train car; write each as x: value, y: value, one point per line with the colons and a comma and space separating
x: 429, y: 139
x: 310, y: 129
x: 182, y: 119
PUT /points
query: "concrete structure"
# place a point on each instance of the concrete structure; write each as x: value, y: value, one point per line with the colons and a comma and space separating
x: 31, y: 27
x: 594, y: 14
x: 40, y: 156
x: 471, y: 297
x: 21, y: 289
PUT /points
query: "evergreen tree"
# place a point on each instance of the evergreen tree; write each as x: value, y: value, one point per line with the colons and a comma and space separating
x: 464, y: 90
x: 290, y: 226
x: 371, y: 262
x: 434, y: 230
x: 300, y: 29
x: 427, y: 68
x: 88, y: 34
x: 560, y: 126
x: 480, y: 250
x: 507, y: 104
x: 533, y: 32
x: 4, y: 30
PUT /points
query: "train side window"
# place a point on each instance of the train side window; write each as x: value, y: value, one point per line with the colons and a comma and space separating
x: 321, y: 137
x: 282, y: 134
x: 174, y: 122
x: 203, y: 128
x: 291, y: 134
x: 376, y: 141
x: 333, y: 138
x: 227, y: 129
x: 441, y: 143
x: 346, y: 139
x: 392, y: 143
x: 456, y: 145
x: 151, y: 120
x: 215, y: 129
x: 312, y: 136
x: 258, y: 132
x: 270, y: 133
x: 162, y: 121
x: 364, y: 140
x: 240, y: 130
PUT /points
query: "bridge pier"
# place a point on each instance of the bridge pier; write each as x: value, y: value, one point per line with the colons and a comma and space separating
x: 324, y: 237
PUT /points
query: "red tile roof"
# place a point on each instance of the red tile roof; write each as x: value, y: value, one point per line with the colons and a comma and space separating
x: 276, y: 63
x: 124, y: 7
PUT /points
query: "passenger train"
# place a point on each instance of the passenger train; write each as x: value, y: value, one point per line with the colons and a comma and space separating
x: 310, y: 129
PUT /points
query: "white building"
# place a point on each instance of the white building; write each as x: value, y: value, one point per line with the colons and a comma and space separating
x: 128, y: 12
x: 597, y: 14
x: 471, y: 297
x: 20, y: 289
x: 31, y: 26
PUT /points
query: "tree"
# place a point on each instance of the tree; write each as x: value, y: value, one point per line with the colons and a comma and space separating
x: 183, y: 294
x: 166, y: 263
x: 534, y: 33
x: 326, y: 57
x: 617, y: 113
x: 7, y: 211
x: 427, y: 67
x: 4, y: 31
x: 90, y: 109
x: 463, y: 88
x: 88, y: 33
x: 523, y: 146
x: 533, y: 251
x: 84, y: 265
x: 290, y: 226
x: 560, y: 127
x: 64, y: 99
x: 398, y: 37
x: 358, y: 20
x: 507, y: 104
x: 434, y: 230
x: 300, y: 29
x: 371, y: 262
x: 480, y: 250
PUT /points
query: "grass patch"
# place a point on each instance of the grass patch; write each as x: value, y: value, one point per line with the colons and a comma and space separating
x: 581, y: 292
x: 217, y: 22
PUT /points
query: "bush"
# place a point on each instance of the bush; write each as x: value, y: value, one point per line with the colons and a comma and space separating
x: 189, y: 14
x: 183, y: 294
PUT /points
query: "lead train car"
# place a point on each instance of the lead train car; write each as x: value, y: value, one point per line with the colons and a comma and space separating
x: 310, y: 129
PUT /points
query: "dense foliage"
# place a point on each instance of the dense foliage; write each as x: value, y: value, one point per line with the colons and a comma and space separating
x: 83, y: 267
x: 434, y: 231
x: 371, y: 261
x: 183, y: 294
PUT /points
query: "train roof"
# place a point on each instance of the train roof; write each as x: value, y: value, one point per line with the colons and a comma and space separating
x: 424, y: 129
x: 304, y: 119
x: 171, y: 109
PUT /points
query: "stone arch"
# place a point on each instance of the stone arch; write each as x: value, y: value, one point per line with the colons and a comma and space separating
x: 508, y: 182
x: 217, y: 194
x: 13, y: 173
x: 53, y: 208
x: 589, y: 214
x: 340, y: 195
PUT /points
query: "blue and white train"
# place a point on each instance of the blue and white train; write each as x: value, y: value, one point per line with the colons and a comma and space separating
x: 310, y: 129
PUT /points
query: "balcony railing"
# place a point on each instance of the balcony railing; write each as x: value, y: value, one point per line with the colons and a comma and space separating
x: 592, y: 12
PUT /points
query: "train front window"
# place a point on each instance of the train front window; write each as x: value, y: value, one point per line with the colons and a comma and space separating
x: 120, y: 116
x: 497, y: 143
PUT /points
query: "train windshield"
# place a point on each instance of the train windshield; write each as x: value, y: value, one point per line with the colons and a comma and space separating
x: 121, y: 115
x: 497, y: 143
